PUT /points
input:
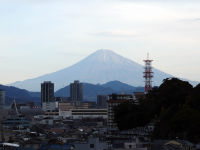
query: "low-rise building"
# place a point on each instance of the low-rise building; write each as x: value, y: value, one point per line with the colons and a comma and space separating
x: 138, y: 96
x: 48, y: 106
x: 91, y: 144
x: 66, y: 106
x: 78, y: 110
x: 46, y: 119
x: 18, y: 122
x: 83, y: 113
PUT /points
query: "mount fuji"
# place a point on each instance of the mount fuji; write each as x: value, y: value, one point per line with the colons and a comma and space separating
x: 100, y: 67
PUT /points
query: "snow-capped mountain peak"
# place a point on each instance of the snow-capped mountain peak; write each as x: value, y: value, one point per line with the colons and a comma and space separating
x: 100, y: 67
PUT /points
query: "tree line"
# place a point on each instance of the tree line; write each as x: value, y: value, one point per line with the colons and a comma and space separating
x: 174, y: 107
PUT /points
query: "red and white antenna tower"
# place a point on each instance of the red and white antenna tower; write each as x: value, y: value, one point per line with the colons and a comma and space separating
x: 148, y: 74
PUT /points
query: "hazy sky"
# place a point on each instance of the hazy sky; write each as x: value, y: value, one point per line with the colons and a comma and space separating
x: 43, y: 36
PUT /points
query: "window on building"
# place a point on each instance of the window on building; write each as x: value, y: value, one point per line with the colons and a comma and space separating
x: 91, y: 145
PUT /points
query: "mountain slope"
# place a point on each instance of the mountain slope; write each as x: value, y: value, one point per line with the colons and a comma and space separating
x: 100, y: 67
x: 20, y: 95
x: 118, y: 86
x: 90, y: 91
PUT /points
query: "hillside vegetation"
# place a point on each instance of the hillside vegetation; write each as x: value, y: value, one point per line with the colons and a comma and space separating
x: 174, y: 107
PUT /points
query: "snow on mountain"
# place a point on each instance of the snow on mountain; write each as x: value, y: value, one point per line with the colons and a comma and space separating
x: 100, y: 67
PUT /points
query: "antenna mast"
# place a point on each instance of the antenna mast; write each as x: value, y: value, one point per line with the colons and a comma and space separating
x: 148, y: 74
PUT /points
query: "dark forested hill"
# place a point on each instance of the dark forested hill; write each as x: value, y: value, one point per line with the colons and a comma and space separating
x: 20, y: 95
x: 174, y: 107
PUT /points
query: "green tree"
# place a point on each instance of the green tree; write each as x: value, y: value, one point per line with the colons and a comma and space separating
x: 174, y: 106
x: 129, y: 115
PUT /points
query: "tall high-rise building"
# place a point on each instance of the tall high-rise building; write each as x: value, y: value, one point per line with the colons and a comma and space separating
x: 2, y: 97
x: 47, y: 96
x: 76, y: 91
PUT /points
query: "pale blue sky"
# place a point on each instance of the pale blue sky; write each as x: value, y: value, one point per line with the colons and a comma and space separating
x: 43, y: 36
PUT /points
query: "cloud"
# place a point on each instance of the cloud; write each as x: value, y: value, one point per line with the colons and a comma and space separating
x: 116, y: 33
x: 190, y: 19
x: 68, y: 53
x: 196, y: 19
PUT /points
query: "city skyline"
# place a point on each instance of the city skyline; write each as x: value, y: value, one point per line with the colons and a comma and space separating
x: 40, y: 37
